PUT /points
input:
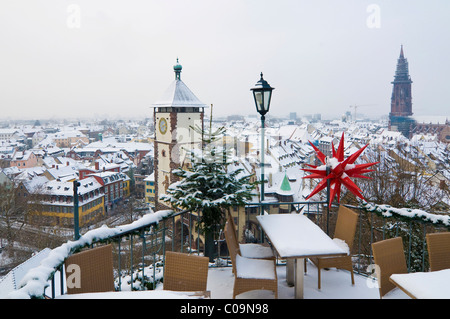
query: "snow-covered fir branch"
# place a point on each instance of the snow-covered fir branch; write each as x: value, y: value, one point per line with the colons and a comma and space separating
x: 388, y: 211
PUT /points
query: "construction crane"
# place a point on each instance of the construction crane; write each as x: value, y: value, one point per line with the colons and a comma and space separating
x: 356, y: 106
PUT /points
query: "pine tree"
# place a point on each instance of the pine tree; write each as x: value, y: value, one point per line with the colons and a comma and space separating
x: 210, y: 186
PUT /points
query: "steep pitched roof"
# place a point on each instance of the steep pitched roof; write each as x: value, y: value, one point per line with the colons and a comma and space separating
x: 179, y: 95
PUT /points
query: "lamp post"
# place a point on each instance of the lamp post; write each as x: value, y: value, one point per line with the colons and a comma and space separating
x: 262, y: 93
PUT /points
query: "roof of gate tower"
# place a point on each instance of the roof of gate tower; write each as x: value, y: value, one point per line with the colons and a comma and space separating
x: 178, y: 94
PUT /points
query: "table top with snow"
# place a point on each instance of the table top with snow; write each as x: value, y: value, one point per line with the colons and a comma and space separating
x: 296, y: 236
x: 425, y: 285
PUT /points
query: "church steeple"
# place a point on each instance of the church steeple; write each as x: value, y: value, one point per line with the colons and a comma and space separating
x: 402, y: 72
x: 401, y: 100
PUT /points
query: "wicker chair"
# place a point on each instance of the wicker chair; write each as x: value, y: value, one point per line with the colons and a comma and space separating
x: 95, y: 270
x: 389, y: 258
x: 250, y: 273
x: 438, y: 245
x: 183, y: 272
x: 250, y: 250
x: 345, y: 230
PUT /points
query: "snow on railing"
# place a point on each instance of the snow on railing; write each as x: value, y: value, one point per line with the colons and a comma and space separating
x: 35, y: 282
x: 407, y: 213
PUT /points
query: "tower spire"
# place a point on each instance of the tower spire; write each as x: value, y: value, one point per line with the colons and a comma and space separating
x: 402, y: 71
x: 177, y: 68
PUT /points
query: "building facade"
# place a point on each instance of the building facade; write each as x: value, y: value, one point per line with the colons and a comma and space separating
x: 115, y: 184
x: 150, y: 190
x: 56, y: 204
x: 25, y: 159
x: 441, y: 130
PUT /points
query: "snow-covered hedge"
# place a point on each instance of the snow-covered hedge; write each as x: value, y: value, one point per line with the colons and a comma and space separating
x: 35, y: 282
x: 407, y: 214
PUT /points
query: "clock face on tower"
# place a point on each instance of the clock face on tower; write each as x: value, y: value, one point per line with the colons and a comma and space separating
x: 163, y: 126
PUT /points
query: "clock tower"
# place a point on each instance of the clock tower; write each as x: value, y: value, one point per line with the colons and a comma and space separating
x: 174, y: 116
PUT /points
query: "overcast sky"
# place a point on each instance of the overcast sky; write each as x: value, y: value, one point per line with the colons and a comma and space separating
x: 91, y: 58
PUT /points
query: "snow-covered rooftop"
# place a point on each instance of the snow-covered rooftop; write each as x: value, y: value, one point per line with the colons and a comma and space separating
x: 433, y: 119
x: 179, y: 95
x: 61, y: 188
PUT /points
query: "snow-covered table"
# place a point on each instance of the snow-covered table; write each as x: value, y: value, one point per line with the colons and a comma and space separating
x: 295, y: 237
x: 424, y: 285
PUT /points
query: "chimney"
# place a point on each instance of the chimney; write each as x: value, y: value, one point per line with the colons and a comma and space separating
x: 97, y: 166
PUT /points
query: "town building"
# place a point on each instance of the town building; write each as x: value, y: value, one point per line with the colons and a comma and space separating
x: 7, y: 134
x: 56, y: 203
x: 114, y: 183
x: 139, y: 185
x: 24, y: 159
x: 433, y: 127
x: 70, y: 139
x: 150, y: 190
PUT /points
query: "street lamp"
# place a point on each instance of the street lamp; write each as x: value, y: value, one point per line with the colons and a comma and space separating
x: 262, y: 93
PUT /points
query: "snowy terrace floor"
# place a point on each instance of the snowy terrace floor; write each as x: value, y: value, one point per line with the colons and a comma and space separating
x: 336, y: 284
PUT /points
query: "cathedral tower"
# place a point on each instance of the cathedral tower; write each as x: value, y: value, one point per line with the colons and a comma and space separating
x: 401, y: 100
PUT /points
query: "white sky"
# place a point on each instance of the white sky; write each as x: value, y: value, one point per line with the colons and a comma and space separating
x: 86, y: 58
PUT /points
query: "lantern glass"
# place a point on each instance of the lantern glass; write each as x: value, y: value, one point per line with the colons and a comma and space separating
x: 262, y: 94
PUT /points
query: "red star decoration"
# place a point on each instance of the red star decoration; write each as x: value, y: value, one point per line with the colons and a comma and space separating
x: 340, y: 171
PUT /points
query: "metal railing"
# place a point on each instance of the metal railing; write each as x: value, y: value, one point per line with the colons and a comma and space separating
x: 140, y: 252
x: 375, y: 227
x: 371, y: 227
